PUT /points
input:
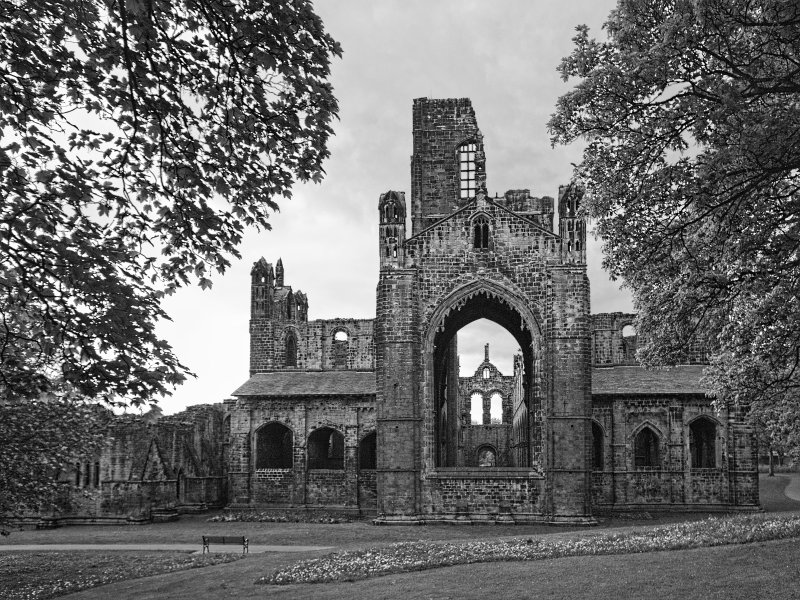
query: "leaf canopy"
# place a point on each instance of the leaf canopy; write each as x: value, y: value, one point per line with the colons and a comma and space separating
x: 690, y: 111
x: 138, y: 140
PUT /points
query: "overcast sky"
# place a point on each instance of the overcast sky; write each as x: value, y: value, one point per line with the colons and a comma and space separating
x: 503, y: 55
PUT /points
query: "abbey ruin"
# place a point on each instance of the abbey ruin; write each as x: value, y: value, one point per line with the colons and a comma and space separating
x: 371, y: 417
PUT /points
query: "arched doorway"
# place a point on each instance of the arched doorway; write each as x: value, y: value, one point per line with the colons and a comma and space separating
x: 495, y: 304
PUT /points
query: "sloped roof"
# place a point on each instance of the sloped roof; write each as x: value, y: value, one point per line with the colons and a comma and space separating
x: 309, y: 383
x: 629, y: 380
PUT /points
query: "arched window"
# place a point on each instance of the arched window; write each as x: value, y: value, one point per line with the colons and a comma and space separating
x: 291, y: 351
x: 341, y: 346
x: 274, y: 447
x: 487, y: 457
x: 487, y: 372
x: 77, y: 474
x: 496, y: 408
x: 646, y: 448
x: 480, y: 230
x: 597, y: 447
x: 703, y: 443
x: 326, y: 449
x: 368, y: 451
x: 466, y: 170
x: 476, y: 408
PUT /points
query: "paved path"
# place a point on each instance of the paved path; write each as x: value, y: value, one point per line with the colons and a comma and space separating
x: 792, y: 490
x: 229, y: 548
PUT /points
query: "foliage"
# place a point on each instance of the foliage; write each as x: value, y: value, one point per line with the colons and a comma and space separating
x: 40, y: 440
x: 42, y: 575
x: 139, y: 139
x: 691, y: 114
x: 420, y: 556
x: 283, y: 516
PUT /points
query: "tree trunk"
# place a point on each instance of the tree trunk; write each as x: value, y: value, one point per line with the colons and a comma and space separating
x: 771, y: 465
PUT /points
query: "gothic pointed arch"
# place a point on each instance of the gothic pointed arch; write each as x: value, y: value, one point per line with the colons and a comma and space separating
x: 489, y: 300
x: 703, y: 442
x: 647, y: 447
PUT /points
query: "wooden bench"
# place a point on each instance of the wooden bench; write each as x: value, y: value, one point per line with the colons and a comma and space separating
x: 226, y: 539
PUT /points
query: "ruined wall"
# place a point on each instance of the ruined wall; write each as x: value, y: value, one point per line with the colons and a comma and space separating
x: 347, y: 485
x: 282, y: 337
x: 672, y: 483
x: 532, y: 284
x: 610, y: 345
x: 439, y: 128
x: 146, y: 465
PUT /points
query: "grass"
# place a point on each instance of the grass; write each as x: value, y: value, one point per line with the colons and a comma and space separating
x: 761, y: 569
x: 42, y: 575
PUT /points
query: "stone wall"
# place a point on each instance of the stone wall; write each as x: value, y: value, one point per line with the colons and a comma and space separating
x: 146, y: 465
x: 301, y: 484
x: 673, y: 482
x: 615, y: 341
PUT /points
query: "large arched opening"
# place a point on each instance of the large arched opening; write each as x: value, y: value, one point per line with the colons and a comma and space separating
x: 486, y: 301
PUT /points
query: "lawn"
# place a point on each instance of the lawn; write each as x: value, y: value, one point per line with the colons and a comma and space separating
x: 767, y: 569
x: 43, y: 575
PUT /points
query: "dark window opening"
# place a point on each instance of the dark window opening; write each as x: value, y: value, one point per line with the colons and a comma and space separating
x: 87, y: 475
x: 77, y: 474
x: 97, y: 474
x: 291, y: 351
x: 274, y: 447
x: 646, y: 448
x: 597, y: 447
x: 702, y: 444
x: 466, y: 169
x: 326, y: 449
x: 368, y: 452
x: 481, y: 233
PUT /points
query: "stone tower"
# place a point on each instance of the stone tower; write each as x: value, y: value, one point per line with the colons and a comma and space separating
x: 471, y: 256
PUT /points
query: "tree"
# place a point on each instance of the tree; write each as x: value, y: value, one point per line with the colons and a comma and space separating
x: 139, y: 139
x: 690, y: 110
x: 39, y: 439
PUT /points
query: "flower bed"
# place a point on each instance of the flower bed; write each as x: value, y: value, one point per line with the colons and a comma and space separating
x: 418, y: 556
x: 319, y: 517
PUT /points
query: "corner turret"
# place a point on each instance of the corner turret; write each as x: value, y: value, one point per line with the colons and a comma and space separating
x: 261, y: 288
x: 392, y: 229
x: 571, y: 225
x: 279, y: 273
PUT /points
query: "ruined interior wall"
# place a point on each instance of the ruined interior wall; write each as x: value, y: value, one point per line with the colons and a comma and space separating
x: 673, y: 483
x: 140, y: 462
x: 352, y: 416
x: 610, y: 347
